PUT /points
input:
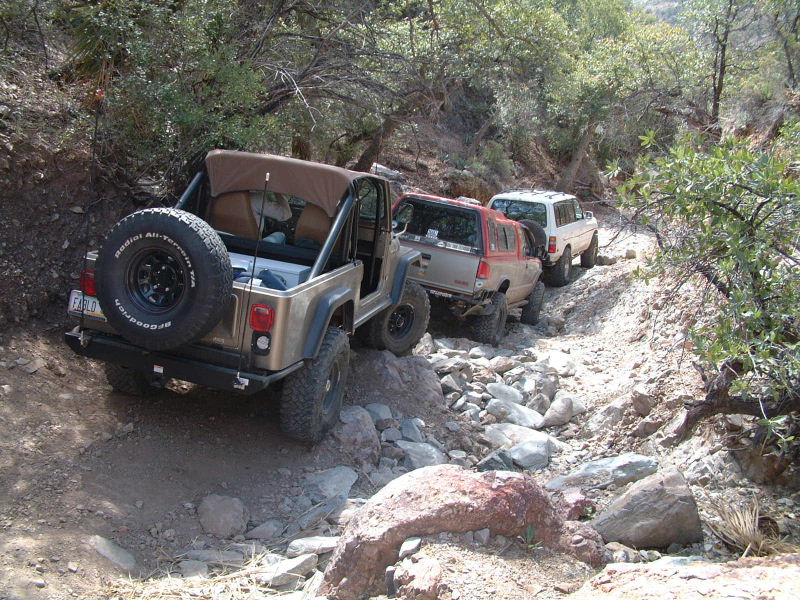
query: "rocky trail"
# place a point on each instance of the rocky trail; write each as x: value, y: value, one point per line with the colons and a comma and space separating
x: 481, y: 467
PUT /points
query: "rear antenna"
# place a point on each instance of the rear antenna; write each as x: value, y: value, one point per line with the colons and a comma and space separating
x: 99, y: 97
x: 242, y: 383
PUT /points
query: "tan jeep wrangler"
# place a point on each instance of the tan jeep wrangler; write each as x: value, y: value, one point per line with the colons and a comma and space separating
x: 259, y: 273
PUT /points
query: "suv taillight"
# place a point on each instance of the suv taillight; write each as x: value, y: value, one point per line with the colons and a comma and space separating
x: 88, y: 285
x: 261, y: 317
x: 483, y: 270
x: 551, y: 246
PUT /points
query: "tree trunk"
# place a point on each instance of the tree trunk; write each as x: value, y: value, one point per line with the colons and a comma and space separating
x: 481, y: 133
x: 567, y: 180
x: 373, y: 150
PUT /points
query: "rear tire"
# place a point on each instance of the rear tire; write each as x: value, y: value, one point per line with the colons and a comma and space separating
x: 312, y: 396
x: 530, y: 312
x: 400, y: 327
x: 559, y: 274
x: 128, y: 381
x: 589, y: 256
x: 490, y: 329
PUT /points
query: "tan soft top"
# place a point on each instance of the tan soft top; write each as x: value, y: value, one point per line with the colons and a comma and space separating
x: 323, y: 185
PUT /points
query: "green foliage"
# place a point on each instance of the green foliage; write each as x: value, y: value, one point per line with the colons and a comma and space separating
x: 732, y: 214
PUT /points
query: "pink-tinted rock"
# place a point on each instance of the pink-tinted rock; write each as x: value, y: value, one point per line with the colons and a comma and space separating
x: 447, y: 498
x: 418, y: 578
x: 575, y: 504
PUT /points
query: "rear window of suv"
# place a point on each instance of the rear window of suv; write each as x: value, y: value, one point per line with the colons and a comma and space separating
x: 434, y: 222
x: 518, y: 210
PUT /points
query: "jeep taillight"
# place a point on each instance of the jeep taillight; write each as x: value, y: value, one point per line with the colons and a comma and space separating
x: 551, y: 245
x: 88, y: 285
x: 483, y: 270
x: 261, y: 317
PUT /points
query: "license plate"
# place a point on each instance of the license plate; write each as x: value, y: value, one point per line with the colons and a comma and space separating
x: 88, y: 305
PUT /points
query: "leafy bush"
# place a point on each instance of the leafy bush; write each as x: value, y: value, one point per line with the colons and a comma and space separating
x: 731, y: 213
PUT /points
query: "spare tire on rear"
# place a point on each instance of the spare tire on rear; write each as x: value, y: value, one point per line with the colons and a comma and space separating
x: 539, y: 235
x: 163, y: 278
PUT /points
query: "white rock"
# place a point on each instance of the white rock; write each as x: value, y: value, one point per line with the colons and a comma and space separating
x: 287, y: 571
x: 378, y: 411
x: 532, y: 454
x: 227, y: 557
x: 410, y: 546
x: 223, y: 516
x: 560, y: 411
x: 193, y: 568
x: 506, y: 435
x: 316, y: 544
x: 329, y: 483
x: 511, y: 412
x: 420, y: 455
x: 117, y: 555
x: 266, y: 531
x: 504, y: 392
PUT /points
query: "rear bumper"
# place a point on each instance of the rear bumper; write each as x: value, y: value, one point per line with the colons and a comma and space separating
x: 116, y: 350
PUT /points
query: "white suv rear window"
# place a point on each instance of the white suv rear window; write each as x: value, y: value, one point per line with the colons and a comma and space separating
x: 518, y: 210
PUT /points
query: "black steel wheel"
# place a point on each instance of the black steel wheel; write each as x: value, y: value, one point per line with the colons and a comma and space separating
x: 164, y: 278
x: 399, y: 327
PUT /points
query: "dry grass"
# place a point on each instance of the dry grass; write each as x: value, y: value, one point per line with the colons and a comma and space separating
x: 744, y: 528
x: 241, y: 584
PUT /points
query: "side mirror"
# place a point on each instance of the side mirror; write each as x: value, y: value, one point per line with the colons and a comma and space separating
x: 588, y: 214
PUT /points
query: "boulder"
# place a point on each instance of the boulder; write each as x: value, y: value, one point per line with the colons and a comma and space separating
x: 774, y: 577
x: 223, y: 516
x: 499, y: 460
x: 575, y: 504
x: 116, y: 554
x: 266, y: 531
x: 420, y: 454
x: 563, y: 365
x: 560, y: 411
x: 418, y: 578
x: 531, y: 455
x: 316, y: 544
x: 425, y: 346
x: 653, y: 513
x: 608, y: 416
x: 539, y: 402
x: 378, y: 411
x: 287, y: 571
x: 357, y: 434
x: 447, y: 498
x: 506, y: 435
x: 331, y: 483
x: 501, y: 364
x: 410, y: 430
x: 673, y: 432
x: 601, y: 473
x: 502, y: 391
x: 409, y: 547
x: 541, y: 382
x: 511, y: 412
x: 642, y: 400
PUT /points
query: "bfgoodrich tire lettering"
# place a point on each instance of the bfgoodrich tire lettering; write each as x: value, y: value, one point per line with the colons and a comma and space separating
x: 163, y: 278
x: 312, y: 396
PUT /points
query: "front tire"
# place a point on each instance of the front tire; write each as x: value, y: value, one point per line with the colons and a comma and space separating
x: 128, y: 381
x: 531, y: 311
x: 491, y: 328
x: 589, y: 256
x: 559, y: 274
x: 400, y: 327
x: 312, y: 396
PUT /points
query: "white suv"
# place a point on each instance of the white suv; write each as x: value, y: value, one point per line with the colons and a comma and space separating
x: 569, y: 229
